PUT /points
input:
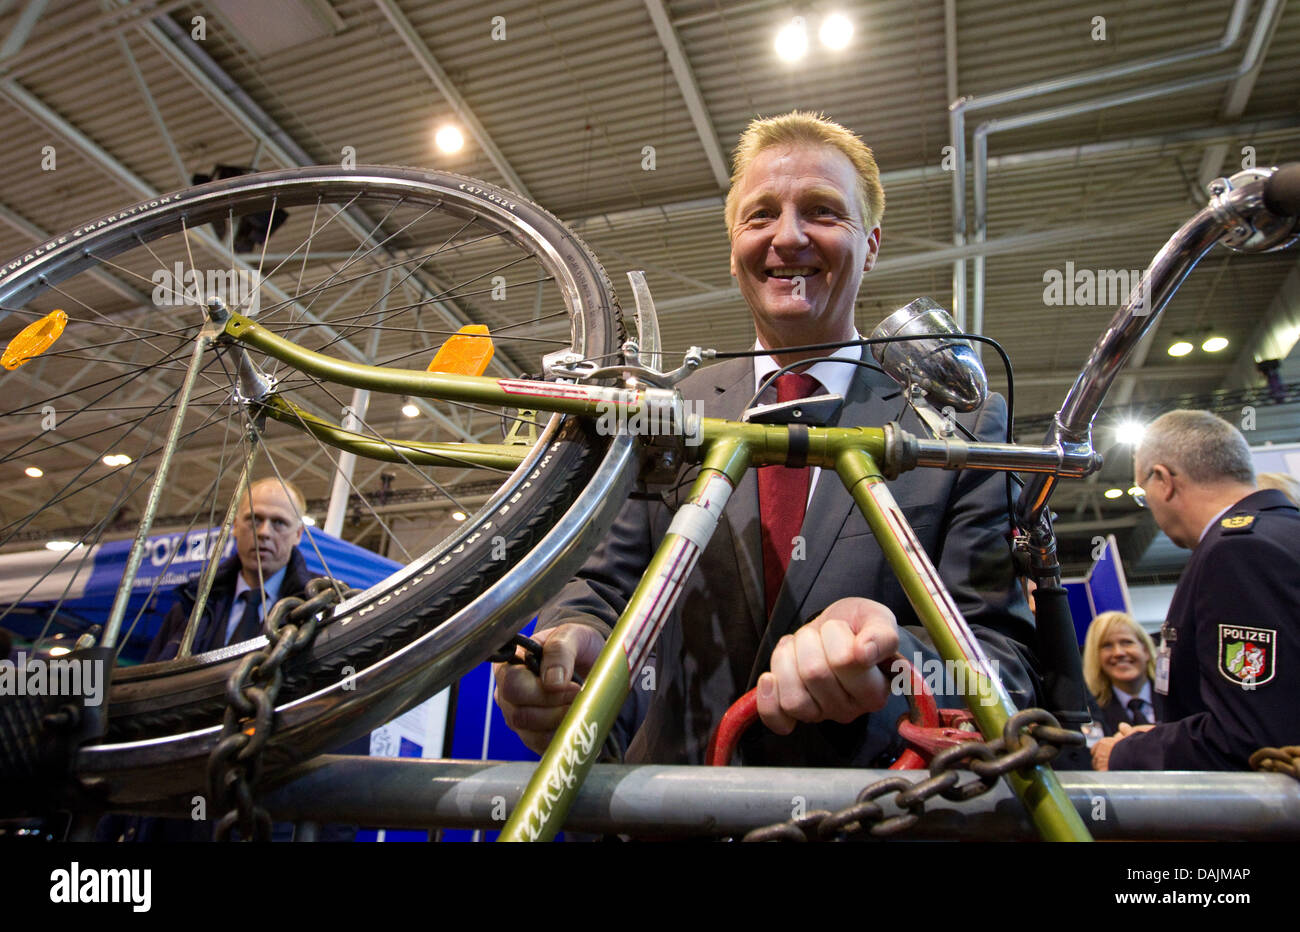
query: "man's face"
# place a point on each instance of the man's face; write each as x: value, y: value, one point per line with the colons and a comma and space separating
x: 266, y: 534
x: 1157, y: 484
x: 798, y: 244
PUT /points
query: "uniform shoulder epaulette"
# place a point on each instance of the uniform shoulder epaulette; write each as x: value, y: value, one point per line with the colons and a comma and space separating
x: 1238, y: 524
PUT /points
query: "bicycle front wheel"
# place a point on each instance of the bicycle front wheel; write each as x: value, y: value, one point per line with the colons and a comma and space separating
x: 377, y: 265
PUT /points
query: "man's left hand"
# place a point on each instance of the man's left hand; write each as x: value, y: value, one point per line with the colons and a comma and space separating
x: 828, y: 668
x: 1101, y: 750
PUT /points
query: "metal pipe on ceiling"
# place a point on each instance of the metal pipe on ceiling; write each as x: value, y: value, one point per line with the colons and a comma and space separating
x: 958, y: 108
x: 1250, y: 60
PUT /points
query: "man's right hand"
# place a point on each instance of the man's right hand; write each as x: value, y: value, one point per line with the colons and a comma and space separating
x: 534, y: 707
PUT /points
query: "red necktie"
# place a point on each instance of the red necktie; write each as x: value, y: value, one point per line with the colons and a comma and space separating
x: 782, y: 497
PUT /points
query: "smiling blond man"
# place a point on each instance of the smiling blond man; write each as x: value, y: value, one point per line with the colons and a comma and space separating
x: 792, y: 595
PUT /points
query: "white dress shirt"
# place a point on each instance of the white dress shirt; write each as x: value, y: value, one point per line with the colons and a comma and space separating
x: 1148, y: 707
x: 833, y: 376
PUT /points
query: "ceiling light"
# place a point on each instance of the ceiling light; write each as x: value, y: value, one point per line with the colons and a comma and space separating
x: 458, y: 516
x: 1129, y: 432
x: 836, y: 31
x: 1133, y: 490
x: 792, y: 40
x: 116, y: 459
x: 309, y: 520
x: 1214, y: 344
x: 59, y: 651
x: 59, y: 546
x: 409, y: 408
x: 1114, y: 493
x: 1181, y: 348
x: 449, y: 139
x: 34, y: 471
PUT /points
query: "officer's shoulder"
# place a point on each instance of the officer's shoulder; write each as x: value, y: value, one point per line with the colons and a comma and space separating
x: 1249, y: 536
x: 1238, y: 523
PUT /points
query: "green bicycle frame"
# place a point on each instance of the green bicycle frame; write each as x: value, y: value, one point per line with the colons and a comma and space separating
x: 728, y: 450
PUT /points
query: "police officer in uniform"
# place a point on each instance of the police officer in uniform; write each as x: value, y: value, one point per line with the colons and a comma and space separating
x: 1229, y: 661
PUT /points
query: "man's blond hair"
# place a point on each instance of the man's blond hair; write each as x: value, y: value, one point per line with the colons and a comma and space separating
x: 805, y: 128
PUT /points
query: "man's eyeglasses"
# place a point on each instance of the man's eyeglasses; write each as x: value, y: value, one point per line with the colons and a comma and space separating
x: 1139, y: 494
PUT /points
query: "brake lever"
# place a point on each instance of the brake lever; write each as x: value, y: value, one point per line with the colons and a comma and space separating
x: 571, y: 365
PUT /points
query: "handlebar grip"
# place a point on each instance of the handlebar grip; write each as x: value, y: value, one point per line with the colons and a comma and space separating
x: 1282, y: 191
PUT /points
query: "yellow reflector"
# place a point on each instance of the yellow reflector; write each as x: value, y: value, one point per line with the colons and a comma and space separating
x: 34, y: 339
x: 468, y: 352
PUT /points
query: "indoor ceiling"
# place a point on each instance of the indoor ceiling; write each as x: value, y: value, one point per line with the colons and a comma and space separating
x: 619, y: 117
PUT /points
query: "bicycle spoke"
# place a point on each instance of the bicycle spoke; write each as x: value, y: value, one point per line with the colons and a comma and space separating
x: 369, y: 269
x: 422, y: 474
x: 324, y: 448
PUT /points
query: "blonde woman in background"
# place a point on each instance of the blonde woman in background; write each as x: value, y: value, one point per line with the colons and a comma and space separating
x: 1119, y: 668
x: 1285, y: 483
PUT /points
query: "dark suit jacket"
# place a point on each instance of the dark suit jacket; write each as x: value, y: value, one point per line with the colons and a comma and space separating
x: 211, y: 631
x: 1240, y: 590
x: 718, y: 639
x: 210, y: 635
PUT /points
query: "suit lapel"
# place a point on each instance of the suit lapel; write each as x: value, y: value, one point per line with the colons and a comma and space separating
x: 733, y: 386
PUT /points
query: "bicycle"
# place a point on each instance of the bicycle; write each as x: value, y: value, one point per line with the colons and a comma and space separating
x: 401, y: 640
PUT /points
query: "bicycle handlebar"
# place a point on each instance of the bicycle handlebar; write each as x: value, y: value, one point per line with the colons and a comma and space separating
x: 1282, y: 191
x: 1252, y: 211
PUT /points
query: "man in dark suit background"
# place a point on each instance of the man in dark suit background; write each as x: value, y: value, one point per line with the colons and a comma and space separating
x: 1230, y: 645
x: 266, y: 566
x: 798, y: 602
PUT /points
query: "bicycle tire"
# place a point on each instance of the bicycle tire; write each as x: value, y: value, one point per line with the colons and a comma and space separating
x: 155, y: 701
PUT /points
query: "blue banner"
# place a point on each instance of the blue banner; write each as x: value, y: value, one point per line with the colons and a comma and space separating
x: 170, y: 561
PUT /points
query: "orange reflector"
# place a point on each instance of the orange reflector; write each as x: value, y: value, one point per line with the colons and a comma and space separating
x: 466, y: 353
x: 34, y: 339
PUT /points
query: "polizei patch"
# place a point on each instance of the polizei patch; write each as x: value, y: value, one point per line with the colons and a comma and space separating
x: 1247, y: 656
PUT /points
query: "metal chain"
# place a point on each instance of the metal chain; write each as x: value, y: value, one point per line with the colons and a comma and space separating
x: 1030, y: 737
x: 235, y: 765
x: 1277, y: 760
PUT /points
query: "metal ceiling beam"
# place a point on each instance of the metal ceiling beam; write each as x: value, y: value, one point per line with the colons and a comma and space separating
x: 1234, y: 105
x: 950, y: 47
x: 91, y: 150
x: 182, y: 176
x: 690, y: 91
x: 177, y: 47
x: 425, y: 59
x: 22, y: 30
x: 65, y: 42
x: 920, y: 174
